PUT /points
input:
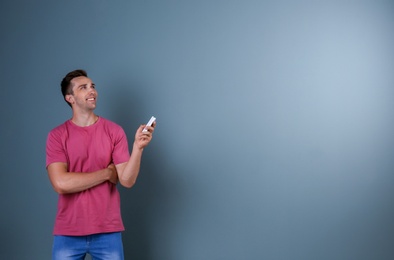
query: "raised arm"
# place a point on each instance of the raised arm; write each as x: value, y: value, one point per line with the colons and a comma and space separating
x: 128, y: 171
x: 70, y: 182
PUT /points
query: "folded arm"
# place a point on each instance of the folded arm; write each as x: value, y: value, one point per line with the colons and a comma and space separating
x: 70, y: 182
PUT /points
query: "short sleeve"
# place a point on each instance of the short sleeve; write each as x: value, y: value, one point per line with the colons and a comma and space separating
x: 121, y: 148
x: 54, y: 149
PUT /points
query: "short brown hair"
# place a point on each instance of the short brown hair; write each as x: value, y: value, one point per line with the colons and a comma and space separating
x: 66, y: 82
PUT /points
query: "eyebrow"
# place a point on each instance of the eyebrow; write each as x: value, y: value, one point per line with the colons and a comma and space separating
x: 84, y: 85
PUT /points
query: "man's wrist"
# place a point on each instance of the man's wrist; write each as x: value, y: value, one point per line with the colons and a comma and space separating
x: 136, y: 147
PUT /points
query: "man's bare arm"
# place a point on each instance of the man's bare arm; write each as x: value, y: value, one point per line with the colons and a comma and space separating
x: 128, y: 171
x: 70, y: 182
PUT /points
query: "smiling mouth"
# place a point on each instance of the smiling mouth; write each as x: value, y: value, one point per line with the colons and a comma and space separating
x: 91, y: 99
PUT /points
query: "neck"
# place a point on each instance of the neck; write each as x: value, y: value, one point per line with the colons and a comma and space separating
x: 84, y: 119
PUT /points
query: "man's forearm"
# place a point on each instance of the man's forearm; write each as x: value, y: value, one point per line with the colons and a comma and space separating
x: 129, y: 172
x: 70, y: 182
x: 76, y: 182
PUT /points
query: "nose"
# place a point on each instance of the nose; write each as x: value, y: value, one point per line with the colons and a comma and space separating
x: 92, y: 90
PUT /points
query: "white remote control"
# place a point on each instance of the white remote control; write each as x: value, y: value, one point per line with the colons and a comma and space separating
x: 151, y: 120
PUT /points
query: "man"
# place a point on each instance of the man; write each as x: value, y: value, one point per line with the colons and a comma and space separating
x: 86, y: 157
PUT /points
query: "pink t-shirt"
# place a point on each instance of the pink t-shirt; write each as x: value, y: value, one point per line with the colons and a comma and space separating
x: 88, y: 149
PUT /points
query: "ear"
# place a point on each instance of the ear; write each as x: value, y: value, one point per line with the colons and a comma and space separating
x: 70, y: 99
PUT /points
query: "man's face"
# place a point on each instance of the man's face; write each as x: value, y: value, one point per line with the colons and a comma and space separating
x: 84, y: 94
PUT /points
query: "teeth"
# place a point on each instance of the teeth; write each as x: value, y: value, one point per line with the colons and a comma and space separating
x: 90, y: 99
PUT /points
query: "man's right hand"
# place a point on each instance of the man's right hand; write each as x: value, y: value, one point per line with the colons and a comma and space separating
x: 113, y: 178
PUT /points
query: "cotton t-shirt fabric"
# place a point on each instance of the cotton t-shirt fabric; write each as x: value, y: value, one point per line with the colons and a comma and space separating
x: 88, y: 149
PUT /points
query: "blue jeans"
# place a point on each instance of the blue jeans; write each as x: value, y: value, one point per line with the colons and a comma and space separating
x: 106, y: 246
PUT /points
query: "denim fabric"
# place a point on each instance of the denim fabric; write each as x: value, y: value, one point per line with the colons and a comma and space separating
x: 106, y: 246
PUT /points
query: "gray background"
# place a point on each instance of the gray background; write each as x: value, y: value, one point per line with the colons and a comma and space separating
x: 275, y: 123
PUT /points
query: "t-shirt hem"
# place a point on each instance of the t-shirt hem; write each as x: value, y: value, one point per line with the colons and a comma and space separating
x: 59, y: 233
